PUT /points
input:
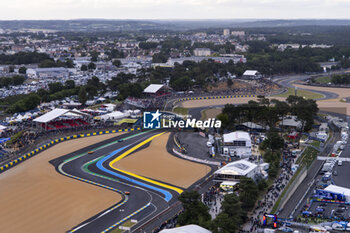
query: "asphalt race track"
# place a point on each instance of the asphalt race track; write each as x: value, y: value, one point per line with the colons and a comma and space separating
x: 145, y: 199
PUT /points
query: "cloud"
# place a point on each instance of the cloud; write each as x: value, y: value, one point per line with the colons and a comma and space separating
x: 172, y: 9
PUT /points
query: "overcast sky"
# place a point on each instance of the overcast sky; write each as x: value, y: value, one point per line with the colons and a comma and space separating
x: 173, y: 9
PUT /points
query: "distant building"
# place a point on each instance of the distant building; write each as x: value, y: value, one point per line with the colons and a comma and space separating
x: 236, y: 58
x: 238, y: 33
x: 43, y: 73
x: 237, y: 144
x: 251, y: 74
x: 226, y: 32
x: 201, y: 52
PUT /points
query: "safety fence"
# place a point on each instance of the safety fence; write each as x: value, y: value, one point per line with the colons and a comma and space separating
x: 56, y: 141
x: 216, y: 97
x: 197, y: 159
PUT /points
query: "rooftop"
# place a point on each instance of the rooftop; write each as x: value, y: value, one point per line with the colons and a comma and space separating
x: 237, y: 135
x: 153, y: 88
x: 240, y: 167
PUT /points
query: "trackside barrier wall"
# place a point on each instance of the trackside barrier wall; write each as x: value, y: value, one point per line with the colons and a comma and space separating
x: 216, y: 97
x: 56, y: 141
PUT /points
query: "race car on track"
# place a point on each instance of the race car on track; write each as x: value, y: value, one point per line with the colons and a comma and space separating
x: 127, y: 193
x: 90, y: 152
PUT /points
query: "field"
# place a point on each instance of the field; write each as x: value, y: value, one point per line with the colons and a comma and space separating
x: 35, y: 198
x: 323, y: 80
x: 210, y: 113
x: 181, y: 111
x: 342, y: 92
x: 303, y: 93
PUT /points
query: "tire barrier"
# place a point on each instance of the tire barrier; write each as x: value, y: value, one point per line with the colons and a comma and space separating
x: 197, y: 159
x: 56, y: 141
x: 216, y: 97
x: 178, y: 145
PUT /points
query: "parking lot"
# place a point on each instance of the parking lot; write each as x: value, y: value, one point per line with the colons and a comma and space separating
x: 332, y: 211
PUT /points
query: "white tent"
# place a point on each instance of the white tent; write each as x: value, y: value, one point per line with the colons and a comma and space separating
x: 2, y: 127
x: 338, y: 189
x: 186, y: 229
x: 113, y: 116
x: 50, y: 116
x: 19, y: 118
x: 153, y: 88
x: 250, y: 72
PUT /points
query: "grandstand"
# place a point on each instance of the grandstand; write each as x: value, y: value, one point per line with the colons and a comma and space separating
x: 58, y: 119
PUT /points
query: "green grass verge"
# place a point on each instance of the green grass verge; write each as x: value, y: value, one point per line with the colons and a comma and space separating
x: 307, y: 157
x: 126, y: 224
x: 203, y: 115
x: 180, y: 110
x: 303, y: 93
x: 316, y: 143
x: 14, y: 138
x: 117, y: 230
x: 323, y: 80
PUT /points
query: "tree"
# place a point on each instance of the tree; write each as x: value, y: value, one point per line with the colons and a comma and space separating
x: 94, y: 56
x: 117, y: 63
x: 69, y: 63
x: 91, y: 66
x: 182, y: 84
x: 55, y: 87
x: 129, y: 89
x: 223, y: 117
x: 273, y: 141
x: 230, y: 219
x: 281, y: 108
x: 82, y: 95
x: 248, y: 193
x: 22, y: 70
x: 17, y: 80
x: 159, y: 58
x: 84, y: 68
x: 43, y: 94
x: 47, y: 63
x: 69, y: 84
x: 11, y: 69
x: 148, y: 45
x: 114, y: 53
x: 195, y: 212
